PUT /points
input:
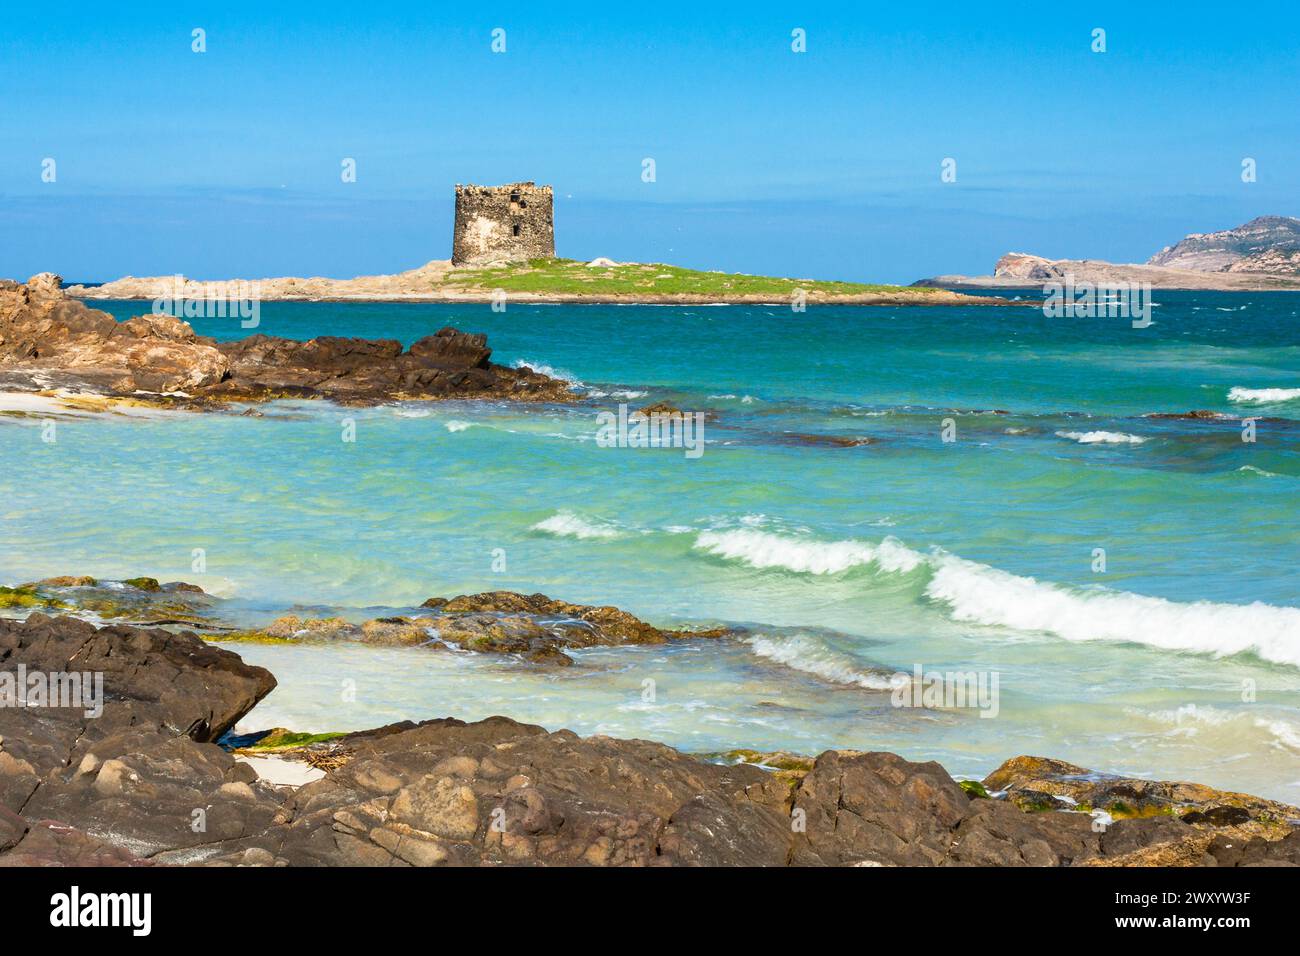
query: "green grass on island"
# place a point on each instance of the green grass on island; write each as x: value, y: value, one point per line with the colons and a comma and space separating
x: 574, y: 277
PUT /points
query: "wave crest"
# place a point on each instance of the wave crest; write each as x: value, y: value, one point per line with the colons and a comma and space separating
x: 975, y: 593
x: 806, y: 653
x: 978, y: 594
x: 541, y: 368
x: 566, y: 524
x: 1102, y: 438
x: 1262, y: 396
x: 763, y: 549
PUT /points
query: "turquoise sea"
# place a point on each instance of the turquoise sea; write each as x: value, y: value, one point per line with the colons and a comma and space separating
x: 1180, y: 660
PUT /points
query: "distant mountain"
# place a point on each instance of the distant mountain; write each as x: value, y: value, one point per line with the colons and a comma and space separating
x: 1260, y: 255
x: 1269, y: 245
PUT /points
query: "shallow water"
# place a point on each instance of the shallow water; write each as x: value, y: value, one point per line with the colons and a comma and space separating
x: 845, y: 563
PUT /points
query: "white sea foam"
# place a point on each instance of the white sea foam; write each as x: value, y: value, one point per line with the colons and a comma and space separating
x: 976, y: 593
x: 566, y: 524
x: 1102, y: 438
x: 1190, y: 719
x: 542, y: 368
x: 1263, y: 473
x: 979, y: 594
x: 762, y: 549
x: 1263, y: 396
x: 458, y: 426
x: 804, y: 652
x: 1285, y: 735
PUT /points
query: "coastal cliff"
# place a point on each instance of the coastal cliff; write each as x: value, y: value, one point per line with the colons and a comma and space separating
x: 1262, y: 255
x: 1267, y: 245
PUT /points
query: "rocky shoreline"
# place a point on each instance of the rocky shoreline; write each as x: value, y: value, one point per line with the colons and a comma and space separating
x: 156, y: 778
x: 53, y: 344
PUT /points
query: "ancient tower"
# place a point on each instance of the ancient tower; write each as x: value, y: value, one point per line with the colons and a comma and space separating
x: 503, y: 223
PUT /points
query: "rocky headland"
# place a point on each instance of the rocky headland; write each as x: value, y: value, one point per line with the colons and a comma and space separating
x: 1267, y: 245
x: 54, y: 344
x: 156, y: 778
x: 1261, y: 255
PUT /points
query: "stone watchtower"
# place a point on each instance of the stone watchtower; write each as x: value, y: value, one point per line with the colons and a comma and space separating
x: 503, y: 223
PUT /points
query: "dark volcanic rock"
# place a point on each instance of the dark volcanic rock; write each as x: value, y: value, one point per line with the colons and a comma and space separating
x: 446, y: 792
x: 1199, y: 414
x: 497, y: 791
x: 46, y: 336
x: 142, y: 774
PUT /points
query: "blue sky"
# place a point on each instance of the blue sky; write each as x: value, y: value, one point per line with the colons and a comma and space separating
x: 823, y: 164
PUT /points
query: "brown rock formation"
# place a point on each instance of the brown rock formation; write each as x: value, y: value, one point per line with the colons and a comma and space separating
x: 532, y: 626
x: 143, y: 782
x: 49, y: 340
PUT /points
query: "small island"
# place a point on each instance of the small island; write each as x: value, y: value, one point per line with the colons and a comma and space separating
x: 504, y: 243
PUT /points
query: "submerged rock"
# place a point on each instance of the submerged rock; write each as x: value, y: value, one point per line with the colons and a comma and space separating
x: 1194, y: 415
x: 1037, y: 783
x: 538, y: 627
x: 828, y: 441
x: 533, y: 627
x: 140, y: 600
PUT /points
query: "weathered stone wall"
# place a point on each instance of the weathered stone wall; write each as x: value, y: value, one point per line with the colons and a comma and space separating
x: 511, y: 223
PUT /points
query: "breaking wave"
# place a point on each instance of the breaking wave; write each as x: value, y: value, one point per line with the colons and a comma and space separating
x: 1193, y: 720
x: 541, y: 368
x: 763, y: 549
x: 1263, y: 396
x: 975, y: 593
x: 566, y: 524
x: 1102, y: 438
x: 978, y: 594
x: 806, y: 653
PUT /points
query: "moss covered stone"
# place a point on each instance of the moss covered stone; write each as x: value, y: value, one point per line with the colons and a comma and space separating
x: 27, y: 596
